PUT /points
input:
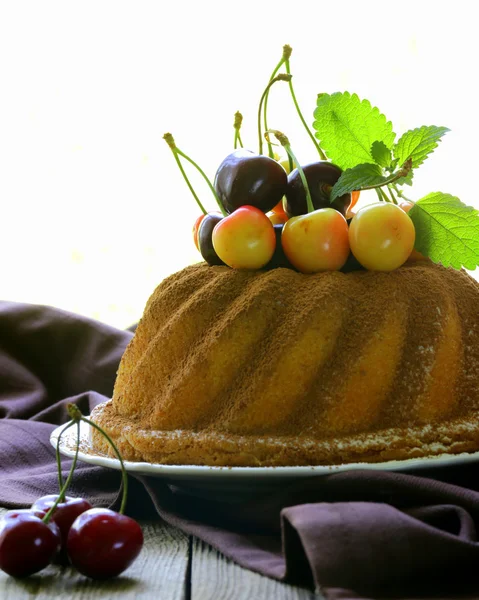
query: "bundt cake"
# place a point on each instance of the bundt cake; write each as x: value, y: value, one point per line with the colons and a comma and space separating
x: 275, y: 367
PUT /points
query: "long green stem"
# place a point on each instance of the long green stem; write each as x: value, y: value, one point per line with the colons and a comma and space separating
x: 383, y: 194
x: 280, y: 77
x: 400, y: 194
x: 265, y: 107
x: 293, y: 95
x: 403, y: 171
x: 237, y: 126
x: 66, y: 485
x: 391, y: 193
x: 283, y: 140
x: 213, y: 191
x: 124, y: 474
x: 77, y: 416
x: 58, y: 456
x: 177, y: 152
x: 379, y: 194
x: 291, y: 163
x: 171, y: 143
x: 287, y: 50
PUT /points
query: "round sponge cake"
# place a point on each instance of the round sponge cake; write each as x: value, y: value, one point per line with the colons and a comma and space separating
x: 267, y: 368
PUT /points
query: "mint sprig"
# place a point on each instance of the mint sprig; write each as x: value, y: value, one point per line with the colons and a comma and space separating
x: 367, y: 177
x: 447, y: 231
x: 347, y: 127
x: 358, y: 178
x: 381, y: 154
x: 418, y: 143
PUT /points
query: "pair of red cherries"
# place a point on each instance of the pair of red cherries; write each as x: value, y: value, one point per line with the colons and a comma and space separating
x: 100, y: 543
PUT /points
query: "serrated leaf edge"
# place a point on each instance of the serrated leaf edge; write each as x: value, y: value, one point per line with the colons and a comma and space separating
x: 456, y: 261
x: 364, y: 102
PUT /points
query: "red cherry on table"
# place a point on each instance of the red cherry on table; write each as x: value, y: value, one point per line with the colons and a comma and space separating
x: 27, y: 544
x: 102, y: 543
x: 245, y: 239
x: 65, y: 514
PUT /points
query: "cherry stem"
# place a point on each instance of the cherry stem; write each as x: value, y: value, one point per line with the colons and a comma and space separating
x: 391, y: 193
x: 403, y: 171
x: 265, y: 106
x: 280, y: 77
x: 380, y: 196
x: 171, y: 143
x: 283, y: 140
x: 76, y: 415
x: 237, y: 126
x: 59, y: 458
x: 383, y: 195
x: 400, y: 194
x: 177, y: 152
x: 66, y: 485
x: 293, y: 95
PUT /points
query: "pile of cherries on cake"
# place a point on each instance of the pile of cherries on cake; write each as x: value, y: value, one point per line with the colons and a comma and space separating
x: 266, y: 222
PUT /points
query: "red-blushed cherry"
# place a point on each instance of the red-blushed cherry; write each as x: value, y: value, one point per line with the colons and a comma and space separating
x: 248, y: 179
x: 382, y: 236
x: 102, y: 543
x: 27, y: 544
x: 205, y: 242
x: 245, y: 239
x: 317, y: 241
x: 64, y: 515
x: 196, y: 226
x: 321, y: 176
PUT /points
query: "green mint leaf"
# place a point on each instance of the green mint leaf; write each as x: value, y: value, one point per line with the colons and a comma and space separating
x: 447, y: 230
x: 357, y: 178
x: 381, y: 154
x: 418, y: 143
x: 347, y: 128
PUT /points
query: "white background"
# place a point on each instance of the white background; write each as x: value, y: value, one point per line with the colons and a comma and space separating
x: 94, y: 212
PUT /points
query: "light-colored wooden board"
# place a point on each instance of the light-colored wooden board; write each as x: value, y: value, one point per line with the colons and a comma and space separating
x: 159, y: 572
x: 213, y: 576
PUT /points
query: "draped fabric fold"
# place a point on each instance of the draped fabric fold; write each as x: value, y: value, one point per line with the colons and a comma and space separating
x: 353, y: 534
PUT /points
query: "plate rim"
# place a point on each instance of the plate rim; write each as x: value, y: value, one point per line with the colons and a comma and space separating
x: 183, y: 471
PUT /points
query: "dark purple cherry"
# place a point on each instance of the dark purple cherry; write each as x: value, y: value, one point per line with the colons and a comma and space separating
x: 27, y: 544
x: 245, y: 178
x: 321, y: 176
x: 352, y: 264
x: 65, y: 514
x: 102, y: 543
x: 205, y: 242
x: 279, y: 257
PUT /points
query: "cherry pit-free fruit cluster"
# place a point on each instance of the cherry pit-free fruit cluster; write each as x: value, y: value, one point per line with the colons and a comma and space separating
x: 100, y: 543
x: 275, y: 212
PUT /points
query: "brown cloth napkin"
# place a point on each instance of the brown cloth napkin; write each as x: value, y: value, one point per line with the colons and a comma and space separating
x: 357, y: 534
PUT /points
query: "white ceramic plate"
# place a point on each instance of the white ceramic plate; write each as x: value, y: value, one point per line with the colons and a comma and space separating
x: 235, y: 483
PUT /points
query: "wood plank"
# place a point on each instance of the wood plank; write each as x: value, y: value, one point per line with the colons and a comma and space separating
x: 159, y: 572
x: 213, y: 576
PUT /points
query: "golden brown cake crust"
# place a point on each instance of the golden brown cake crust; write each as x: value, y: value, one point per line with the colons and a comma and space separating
x: 279, y: 368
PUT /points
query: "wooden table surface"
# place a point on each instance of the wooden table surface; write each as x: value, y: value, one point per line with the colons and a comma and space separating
x: 171, y: 566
